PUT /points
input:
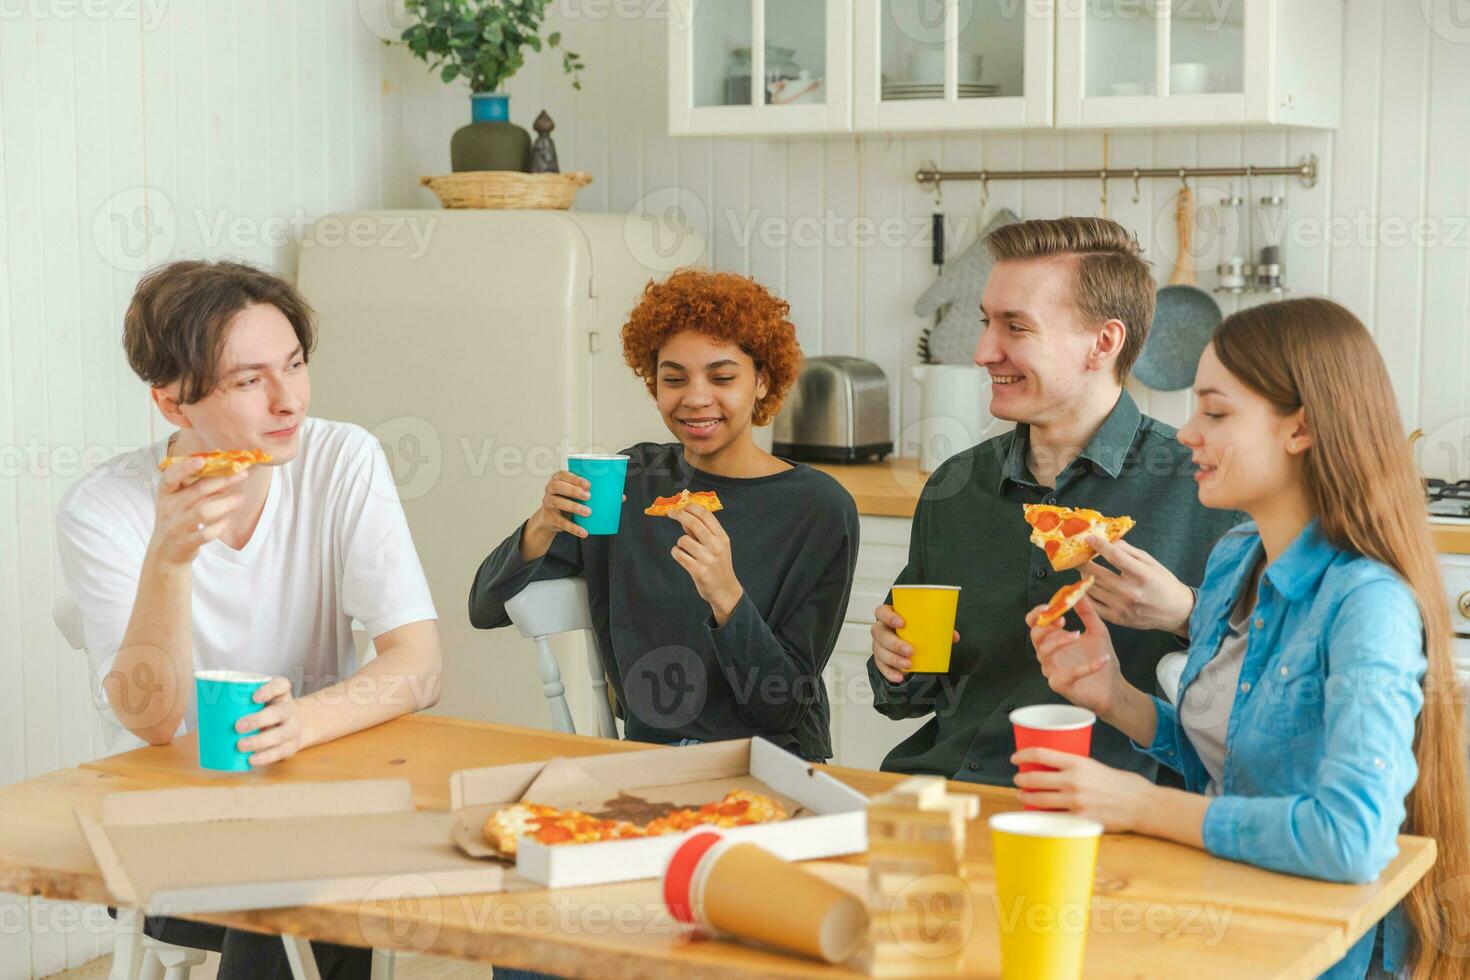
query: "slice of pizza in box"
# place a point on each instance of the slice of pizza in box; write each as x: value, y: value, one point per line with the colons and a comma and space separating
x: 621, y: 816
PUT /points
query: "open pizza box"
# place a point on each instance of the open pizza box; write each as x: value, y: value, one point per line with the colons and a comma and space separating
x: 826, y: 817
x: 223, y: 849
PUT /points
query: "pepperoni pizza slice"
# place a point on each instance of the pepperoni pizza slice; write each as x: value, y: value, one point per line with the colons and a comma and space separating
x: 1062, y: 532
x: 1066, y: 597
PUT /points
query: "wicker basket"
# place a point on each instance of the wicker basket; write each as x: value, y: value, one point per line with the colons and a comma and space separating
x: 506, y: 189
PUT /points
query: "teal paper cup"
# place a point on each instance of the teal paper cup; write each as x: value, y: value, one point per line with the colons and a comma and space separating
x: 223, y: 698
x: 607, y: 474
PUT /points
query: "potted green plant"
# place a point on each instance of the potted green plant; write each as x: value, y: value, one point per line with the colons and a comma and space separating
x: 483, y: 42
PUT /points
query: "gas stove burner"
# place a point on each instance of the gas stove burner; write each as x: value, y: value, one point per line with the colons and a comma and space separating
x: 1448, y: 500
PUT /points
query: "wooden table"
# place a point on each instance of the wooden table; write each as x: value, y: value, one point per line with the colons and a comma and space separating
x: 1161, y: 909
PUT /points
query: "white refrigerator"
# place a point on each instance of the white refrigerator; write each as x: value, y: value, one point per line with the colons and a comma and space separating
x: 480, y: 347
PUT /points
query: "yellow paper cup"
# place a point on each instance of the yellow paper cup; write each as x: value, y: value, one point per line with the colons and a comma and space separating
x: 1044, y: 868
x: 928, y: 613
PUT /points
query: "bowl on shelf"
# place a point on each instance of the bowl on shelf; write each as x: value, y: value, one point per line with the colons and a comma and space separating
x: 1189, y: 78
x: 1131, y: 88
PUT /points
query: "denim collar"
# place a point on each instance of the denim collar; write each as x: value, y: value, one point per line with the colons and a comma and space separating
x: 1301, y: 566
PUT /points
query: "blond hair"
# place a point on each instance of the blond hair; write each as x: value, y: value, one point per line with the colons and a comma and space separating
x: 1315, y: 355
x: 1112, y: 281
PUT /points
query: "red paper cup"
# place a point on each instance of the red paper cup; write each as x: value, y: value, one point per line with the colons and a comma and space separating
x: 680, y: 873
x: 1063, y: 727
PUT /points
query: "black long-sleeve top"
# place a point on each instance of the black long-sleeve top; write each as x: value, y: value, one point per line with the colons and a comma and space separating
x: 793, y: 542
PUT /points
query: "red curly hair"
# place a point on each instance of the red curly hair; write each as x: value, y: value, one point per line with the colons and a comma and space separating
x: 734, y: 309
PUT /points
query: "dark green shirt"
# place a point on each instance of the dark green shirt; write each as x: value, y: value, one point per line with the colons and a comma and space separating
x: 969, y: 531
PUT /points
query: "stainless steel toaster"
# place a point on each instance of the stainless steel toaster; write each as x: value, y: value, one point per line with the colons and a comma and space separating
x: 837, y: 412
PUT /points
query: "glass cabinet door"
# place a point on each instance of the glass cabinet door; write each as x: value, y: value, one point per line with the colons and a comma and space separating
x: 721, y: 29
x: 1122, y: 48
x: 952, y: 63
x: 785, y: 60
x: 1206, y: 47
x: 796, y: 52
x: 1154, y: 62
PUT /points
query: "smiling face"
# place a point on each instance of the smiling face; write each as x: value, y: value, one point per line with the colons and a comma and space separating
x: 706, y: 391
x: 1042, y: 359
x: 263, y: 394
x: 1245, y: 451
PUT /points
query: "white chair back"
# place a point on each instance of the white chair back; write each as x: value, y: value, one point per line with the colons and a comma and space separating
x: 1169, y: 671
x: 544, y: 609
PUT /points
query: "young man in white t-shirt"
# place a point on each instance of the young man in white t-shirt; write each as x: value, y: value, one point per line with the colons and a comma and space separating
x: 264, y: 571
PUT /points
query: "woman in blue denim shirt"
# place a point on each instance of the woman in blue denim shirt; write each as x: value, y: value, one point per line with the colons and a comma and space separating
x: 1320, y: 632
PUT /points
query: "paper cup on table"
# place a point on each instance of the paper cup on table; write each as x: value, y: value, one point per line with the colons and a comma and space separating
x: 1044, y: 869
x: 727, y: 887
x: 1064, y: 727
x: 224, y: 697
x: 928, y: 613
x: 607, y: 473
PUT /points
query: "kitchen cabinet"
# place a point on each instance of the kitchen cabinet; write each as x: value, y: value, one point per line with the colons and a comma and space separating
x: 801, y: 49
x: 952, y: 64
x: 1136, y: 63
x: 861, y: 737
x: 937, y: 65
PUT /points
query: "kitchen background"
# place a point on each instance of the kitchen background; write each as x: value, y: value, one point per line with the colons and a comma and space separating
x: 132, y: 131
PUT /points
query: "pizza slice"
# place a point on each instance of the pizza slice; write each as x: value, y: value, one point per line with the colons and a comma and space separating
x: 1066, y: 597
x: 1062, y: 532
x: 221, y: 462
x: 505, y: 827
x: 663, y: 506
x: 739, y: 808
x: 549, y: 825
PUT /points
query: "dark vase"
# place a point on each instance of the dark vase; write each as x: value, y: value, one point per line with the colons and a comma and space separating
x: 491, y: 141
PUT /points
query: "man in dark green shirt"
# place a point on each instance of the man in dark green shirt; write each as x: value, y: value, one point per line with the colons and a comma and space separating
x: 1067, y: 307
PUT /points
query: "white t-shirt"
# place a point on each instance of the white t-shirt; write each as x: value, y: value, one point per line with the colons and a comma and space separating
x: 332, y: 546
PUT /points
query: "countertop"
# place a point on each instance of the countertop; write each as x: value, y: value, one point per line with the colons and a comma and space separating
x: 891, y: 489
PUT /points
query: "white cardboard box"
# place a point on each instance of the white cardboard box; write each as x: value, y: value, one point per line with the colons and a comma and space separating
x: 222, y: 849
x: 830, y: 818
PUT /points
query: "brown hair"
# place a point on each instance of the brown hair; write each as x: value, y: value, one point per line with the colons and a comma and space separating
x: 731, y: 308
x: 175, y: 327
x: 1314, y: 354
x: 1112, y: 282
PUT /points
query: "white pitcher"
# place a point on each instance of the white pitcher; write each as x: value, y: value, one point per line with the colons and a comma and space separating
x: 952, y: 411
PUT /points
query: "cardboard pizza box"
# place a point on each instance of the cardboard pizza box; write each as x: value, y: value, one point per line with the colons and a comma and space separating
x: 828, y: 818
x: 224, y: 849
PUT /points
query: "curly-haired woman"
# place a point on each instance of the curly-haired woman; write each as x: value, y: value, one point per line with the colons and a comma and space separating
x: 711, y: 625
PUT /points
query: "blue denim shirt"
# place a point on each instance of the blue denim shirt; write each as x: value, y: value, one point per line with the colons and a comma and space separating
x: 1319, y: 747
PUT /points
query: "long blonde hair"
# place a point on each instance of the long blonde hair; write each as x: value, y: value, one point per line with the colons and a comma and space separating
x: 1314, y: 354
